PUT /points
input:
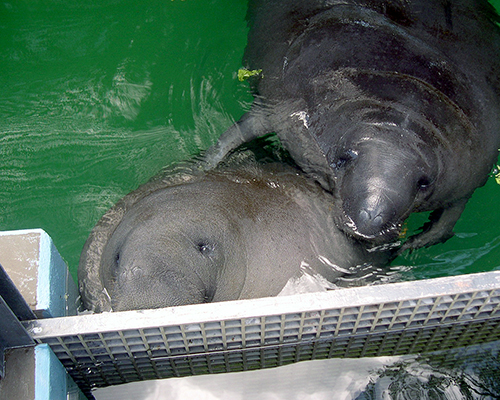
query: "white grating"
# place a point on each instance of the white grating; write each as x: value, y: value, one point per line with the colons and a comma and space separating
x: 393, y: 319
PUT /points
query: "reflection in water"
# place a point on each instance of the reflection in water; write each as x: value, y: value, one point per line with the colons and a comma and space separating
x: 360, y: 275
x: 462, y: 374
x: 457, y: 261
x: 126, y: 96
x: 408, y: 381
x: 469, y: 373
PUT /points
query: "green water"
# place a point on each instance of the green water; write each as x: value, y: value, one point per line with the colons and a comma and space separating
x: 98, y: 96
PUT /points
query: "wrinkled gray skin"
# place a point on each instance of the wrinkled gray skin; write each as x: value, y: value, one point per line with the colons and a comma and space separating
x: 223, y: 235
x: 391, y: 105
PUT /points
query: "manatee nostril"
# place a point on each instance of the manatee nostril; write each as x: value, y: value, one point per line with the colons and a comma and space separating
x: 370, y: 218
x: 364, y: 216
x: 344, y: 159
x: 378, y: 220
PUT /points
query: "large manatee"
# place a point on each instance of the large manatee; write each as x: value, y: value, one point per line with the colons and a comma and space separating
x: 231, y: 233
x: 392, y: 105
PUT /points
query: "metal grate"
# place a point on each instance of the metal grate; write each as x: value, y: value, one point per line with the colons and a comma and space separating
x: 401, y: 318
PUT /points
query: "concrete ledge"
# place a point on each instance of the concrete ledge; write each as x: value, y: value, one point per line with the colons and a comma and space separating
x: 35, y: 266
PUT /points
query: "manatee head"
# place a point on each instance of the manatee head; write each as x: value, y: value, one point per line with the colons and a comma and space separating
x: 175, y: 246
x: 383, y: 172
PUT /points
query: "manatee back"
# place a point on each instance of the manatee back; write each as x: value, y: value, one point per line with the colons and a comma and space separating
x: 289, y: 232
x: 452, y: 46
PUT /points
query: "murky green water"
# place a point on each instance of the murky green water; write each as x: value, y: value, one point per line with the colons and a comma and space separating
x: 98, y: 96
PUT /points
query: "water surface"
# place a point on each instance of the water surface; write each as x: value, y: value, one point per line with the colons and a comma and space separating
x: 98, y: 96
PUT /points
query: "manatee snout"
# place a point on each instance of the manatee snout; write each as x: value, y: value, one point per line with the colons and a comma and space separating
x: 136, y: 289
x: 373, y: 216
x: 379, y: 182
x: 165, y: 259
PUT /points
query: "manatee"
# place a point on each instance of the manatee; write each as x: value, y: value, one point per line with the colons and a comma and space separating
x: 226, y: 234
x: 393, y: 106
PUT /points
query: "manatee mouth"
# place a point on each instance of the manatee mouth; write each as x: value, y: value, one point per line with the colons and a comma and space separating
x: 369, y: 228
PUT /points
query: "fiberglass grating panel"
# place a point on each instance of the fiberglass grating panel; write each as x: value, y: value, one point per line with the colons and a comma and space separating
x: 191, y: 343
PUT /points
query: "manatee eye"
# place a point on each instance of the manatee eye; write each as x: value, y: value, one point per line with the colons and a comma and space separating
x: 205, y: 248
x: 424, y: 182
x: 117, y: 258
x: 345, y: 158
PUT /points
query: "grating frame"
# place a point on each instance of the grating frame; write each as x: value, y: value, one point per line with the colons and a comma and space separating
x: 385, y: 320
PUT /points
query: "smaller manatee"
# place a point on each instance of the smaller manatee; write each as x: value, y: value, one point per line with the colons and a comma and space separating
x: 231, y: 233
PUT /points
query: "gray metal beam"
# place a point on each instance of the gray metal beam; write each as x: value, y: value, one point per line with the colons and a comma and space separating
x: 12, y: 333
x: 13, y: 308
x: 13, y: 298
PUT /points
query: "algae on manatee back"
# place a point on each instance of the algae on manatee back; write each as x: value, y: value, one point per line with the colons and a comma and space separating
x: 244, y: 74
x: 496, y: 174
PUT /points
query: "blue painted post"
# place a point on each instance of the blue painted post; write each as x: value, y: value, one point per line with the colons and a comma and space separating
x: 51, y: 379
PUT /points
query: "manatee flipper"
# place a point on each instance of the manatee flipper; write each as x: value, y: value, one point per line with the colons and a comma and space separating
x: 438, y: 229
x: 250, y: 126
